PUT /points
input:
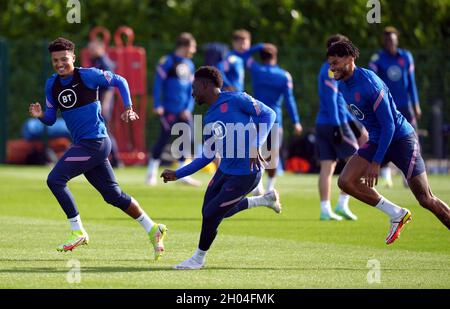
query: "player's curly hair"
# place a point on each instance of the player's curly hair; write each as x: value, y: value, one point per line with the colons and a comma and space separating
x: 343, y: 49
x: 336, y: 38
x: 210, y: 73
x: 61, y: 44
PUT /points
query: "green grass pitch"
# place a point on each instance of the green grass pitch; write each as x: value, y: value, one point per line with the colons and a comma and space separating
x: 254, y: 249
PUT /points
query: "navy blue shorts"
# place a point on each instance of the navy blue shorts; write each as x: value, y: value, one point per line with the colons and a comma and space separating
x: 328, y: 150
x: 225, y: 191
x: 404, y: 153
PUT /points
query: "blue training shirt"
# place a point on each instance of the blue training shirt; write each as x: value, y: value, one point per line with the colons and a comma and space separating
x: 272, y: 85
x: 333, y: 108
x: 235, y: 110
x: 232, y: 67
x: 172, y: 86
x: 398, y: 74
x: 371, y: 102
x: 85, y: 122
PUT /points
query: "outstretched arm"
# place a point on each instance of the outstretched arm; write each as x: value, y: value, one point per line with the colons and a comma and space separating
x: 291, y: 104
x: 330, y: 96
x: 224, y: 67
x: 162, y: 71
x: 191, y: 168
x: 35, y: 109
x: 106, y: 79
x: 248, y: 53
x: 412, y: 89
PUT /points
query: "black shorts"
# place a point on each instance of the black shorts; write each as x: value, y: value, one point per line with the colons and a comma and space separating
x: 328, y: 150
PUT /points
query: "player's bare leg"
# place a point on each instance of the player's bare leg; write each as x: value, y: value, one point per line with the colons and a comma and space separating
x: 351, y: 183
x: 342, y: 208
x: 134, y: 210
x: 271, y: 173
x: 326, y: 172
x: 421, y: 189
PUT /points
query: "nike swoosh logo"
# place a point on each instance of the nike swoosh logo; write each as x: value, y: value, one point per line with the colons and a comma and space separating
x: 73, y: 86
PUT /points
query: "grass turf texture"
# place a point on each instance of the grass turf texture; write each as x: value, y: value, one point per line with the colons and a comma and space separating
x: 254, y: 249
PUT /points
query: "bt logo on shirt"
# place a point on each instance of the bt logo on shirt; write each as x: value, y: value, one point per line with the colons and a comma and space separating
x: 67, y: 98
x: 219, y: 130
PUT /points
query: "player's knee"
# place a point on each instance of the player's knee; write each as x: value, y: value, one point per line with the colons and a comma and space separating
x: 425, y: 200
x: 208, y: 216
x: 54, y: 180
x: 344, y: 183
x: 117, y: 198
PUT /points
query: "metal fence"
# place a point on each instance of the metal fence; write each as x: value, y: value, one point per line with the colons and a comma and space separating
x: 29, y: 65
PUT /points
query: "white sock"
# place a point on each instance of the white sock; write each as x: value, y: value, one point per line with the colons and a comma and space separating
x: 343, y: 201
x: 255, y: 201
x: 259, y: 188
x: 385, y: 173
x: 325, y: 207
x: 389, y: 208
x: 153, y: 165
x: 76, y: 224
x: 200, y: 256
x: 146, y: 222
x: 270, y: 184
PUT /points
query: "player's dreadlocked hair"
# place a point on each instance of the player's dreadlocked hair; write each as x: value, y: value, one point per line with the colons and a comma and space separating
x: 61, y: 44
x: 210, y: 73
x: 343, y: 49
x: 336, y: 38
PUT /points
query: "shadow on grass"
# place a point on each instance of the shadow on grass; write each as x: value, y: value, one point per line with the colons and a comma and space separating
x: 119, y: 269
x: 68, y: 258
x: 100, y: 269
x: 198, y: 219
